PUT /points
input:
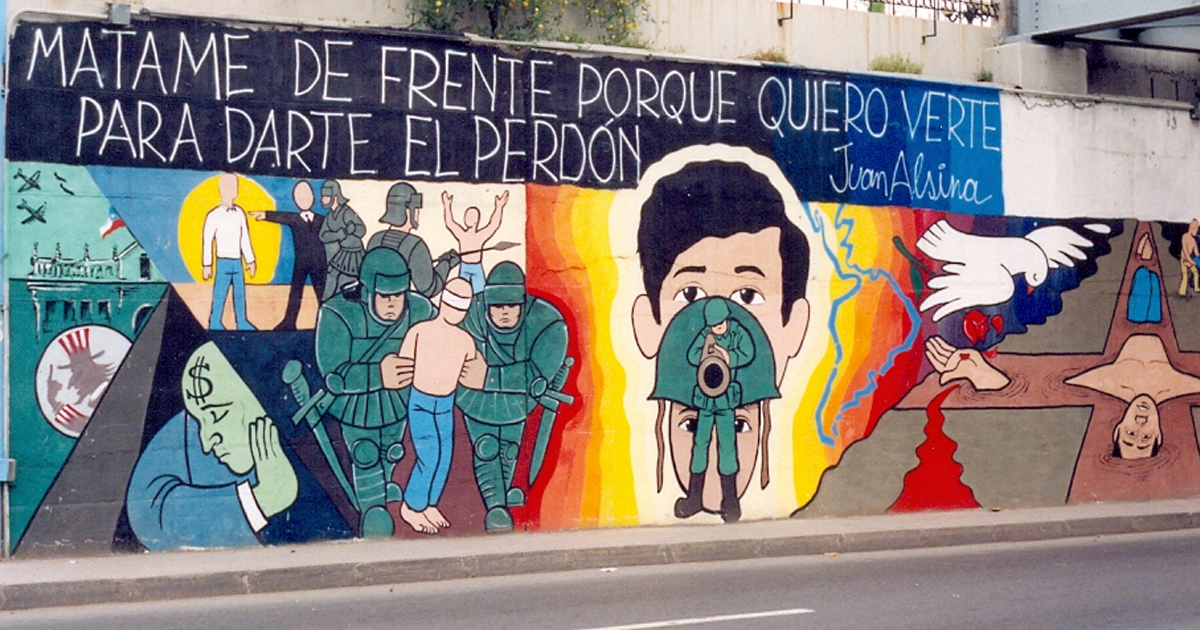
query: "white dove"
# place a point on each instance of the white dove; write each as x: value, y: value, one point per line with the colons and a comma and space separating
x: 979, y: 270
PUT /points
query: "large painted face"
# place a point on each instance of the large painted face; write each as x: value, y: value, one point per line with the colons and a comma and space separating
x: 744, y: 267
x: 682, y: 435
x: 216, y: 397
x: 1139, y: 432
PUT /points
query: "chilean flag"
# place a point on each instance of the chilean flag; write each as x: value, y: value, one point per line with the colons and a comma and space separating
x: 114, y: 223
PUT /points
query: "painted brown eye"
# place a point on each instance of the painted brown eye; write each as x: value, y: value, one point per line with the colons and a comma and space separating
x: 690, y: 294
x: 747, y: 296
x: 688, y: 425
x: 741, y: 426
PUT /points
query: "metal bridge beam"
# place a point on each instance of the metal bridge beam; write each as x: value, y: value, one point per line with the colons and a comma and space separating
x: 1180, y: 38
x: 1058, y: 20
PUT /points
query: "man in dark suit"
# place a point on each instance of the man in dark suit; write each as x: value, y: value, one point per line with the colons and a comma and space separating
x: 310, y: 252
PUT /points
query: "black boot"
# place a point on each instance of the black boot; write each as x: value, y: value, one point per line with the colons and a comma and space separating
x: 691, y: 504
x: 731, y: 507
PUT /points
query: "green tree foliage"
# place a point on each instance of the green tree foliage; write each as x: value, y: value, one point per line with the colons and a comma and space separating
x: 612, y: 22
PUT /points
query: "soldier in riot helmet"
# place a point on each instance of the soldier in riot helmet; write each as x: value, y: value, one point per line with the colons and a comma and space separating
x: 341, y: 232
x: 359, y: 334
x: 402, y: 216
x: 523, y: 341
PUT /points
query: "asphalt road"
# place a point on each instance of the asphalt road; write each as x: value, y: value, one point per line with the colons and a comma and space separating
x: 1128, y: 582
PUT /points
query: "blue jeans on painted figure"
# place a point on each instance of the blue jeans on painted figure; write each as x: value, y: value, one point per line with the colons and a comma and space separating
x: 1145, y: 298
x: 431, y: 426
x: 473, y: 273
x: 228, y: 274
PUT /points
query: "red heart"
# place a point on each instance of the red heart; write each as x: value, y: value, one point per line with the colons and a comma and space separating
x: 997, y: 323
x: 975, y: 326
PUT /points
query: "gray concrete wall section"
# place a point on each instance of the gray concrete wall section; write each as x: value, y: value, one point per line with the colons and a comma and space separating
x: 871, y: 473
x: 1161, y: 74
x: 1038, y: 446
x: 26, y: 584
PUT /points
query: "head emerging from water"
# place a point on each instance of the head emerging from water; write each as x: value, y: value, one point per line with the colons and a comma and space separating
x: 1139, y: 434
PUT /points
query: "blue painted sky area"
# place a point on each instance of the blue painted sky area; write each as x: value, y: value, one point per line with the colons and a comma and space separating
x: 150, y: 200
x: 883, y: 141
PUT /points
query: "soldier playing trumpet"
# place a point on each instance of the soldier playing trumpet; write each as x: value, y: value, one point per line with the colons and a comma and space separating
x: 720, y: 348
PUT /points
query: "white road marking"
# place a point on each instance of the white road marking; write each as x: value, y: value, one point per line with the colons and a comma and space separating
x: 671, y: 623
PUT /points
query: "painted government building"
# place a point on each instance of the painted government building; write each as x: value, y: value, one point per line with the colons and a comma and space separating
x: 291, y: 278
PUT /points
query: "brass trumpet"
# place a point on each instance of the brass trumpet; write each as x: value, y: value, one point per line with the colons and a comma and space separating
x: 712, y: 376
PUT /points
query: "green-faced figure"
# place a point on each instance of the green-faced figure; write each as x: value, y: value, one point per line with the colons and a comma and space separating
x: 358, y: 336
x: 523, y: 340
x: 717, y: 370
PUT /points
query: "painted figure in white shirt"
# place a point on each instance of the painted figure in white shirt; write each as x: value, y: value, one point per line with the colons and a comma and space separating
x: 225, y: 227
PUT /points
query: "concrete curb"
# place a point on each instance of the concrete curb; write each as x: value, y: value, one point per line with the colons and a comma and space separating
x: 53, y: 583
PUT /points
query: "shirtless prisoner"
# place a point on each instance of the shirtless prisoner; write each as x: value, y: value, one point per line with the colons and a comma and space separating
x: 472, y: 238
x: 440, y: 350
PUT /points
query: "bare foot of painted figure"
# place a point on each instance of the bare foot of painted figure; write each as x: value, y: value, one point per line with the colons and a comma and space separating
x: 436, y: 517
x: 417, y: 520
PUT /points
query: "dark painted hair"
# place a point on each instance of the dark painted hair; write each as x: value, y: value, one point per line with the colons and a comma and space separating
x: 716, y: 199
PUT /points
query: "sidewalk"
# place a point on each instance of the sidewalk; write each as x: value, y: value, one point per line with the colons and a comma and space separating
x: 130, y: 578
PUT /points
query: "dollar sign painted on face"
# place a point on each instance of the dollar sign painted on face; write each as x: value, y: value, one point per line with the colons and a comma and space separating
x: 201, y: 385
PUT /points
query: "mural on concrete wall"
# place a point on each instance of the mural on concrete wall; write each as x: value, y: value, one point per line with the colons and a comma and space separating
x: 271, y: 286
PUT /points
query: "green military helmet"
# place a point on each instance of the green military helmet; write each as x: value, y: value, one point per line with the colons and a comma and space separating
x: 332, y: 189
x: 401, y: 198
x: 675, y: 378
x: 383, y: 272
x: 715, y: 312
x: 505, y: 285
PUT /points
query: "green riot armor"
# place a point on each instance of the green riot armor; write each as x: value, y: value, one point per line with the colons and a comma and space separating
x: 351, y: 342
x: 675, y: 376
x: 428, y: 274
x: 522, y: 361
